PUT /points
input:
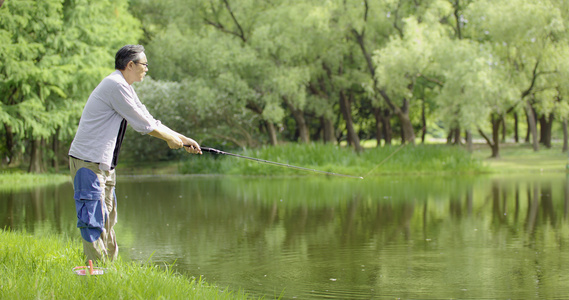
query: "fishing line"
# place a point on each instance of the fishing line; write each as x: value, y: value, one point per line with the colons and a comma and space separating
x: 215, y: 151
x: 385, y: 159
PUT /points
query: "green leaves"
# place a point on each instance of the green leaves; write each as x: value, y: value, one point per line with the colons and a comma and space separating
x: 235, y: 67
x: 52, y: 54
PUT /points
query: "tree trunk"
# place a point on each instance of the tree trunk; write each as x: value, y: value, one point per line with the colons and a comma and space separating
x: 545, y: 126
x: 516, y: 134
x: 453, y: 137
x: 387, y: 130
x: 407, y: 131
x: 423, y: 122
x: 383, y: 125
x: 378, y: 125
x: 328, y: 130
x: 496, y: 136
x: 468, y: 138
x: 457, y: 136
x: 301, y: 126
x: 36, y: 162
x: 272, y: 132
x: 9, y: 143
x: 564, y: 125
x: 493, y: 142
x: 542, y: 124
x: 532, y: 127
x: 55, y: 148
x: 528, y: 128
x: 346, y: 109
x: 503, y: 129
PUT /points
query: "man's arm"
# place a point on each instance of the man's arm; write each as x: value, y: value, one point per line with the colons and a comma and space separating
x: 175, y: 140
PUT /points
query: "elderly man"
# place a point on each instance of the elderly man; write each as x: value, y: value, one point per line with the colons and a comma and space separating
x: 94, y: 151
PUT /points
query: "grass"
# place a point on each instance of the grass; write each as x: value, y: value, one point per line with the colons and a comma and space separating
x: 15, y: 181
x: 33, y: 267
x: 430, y: 159
x: 521, y: 158
x: 393, y: 160
x: 419, y: 159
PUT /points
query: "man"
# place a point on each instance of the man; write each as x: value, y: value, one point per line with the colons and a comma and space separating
x: 94, y: 151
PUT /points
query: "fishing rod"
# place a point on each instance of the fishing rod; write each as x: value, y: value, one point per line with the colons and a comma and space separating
x: 215, y: 151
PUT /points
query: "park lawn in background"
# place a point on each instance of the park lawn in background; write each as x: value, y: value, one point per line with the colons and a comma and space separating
x: 515, y: 158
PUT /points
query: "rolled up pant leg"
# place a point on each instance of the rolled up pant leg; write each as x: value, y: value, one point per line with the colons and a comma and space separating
x: 95, y: 201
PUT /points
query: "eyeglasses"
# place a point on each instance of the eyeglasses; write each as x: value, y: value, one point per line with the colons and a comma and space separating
x: 144, y: 64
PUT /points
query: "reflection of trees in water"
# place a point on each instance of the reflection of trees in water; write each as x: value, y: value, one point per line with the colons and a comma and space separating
x: 31, y: 208
x: 8, y: 219
x: 22, y: 210
x: 358, y: 219
x: 540, y: 206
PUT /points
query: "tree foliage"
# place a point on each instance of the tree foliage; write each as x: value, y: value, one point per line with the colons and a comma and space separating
x: 52, y: 54
x: 254, y: 72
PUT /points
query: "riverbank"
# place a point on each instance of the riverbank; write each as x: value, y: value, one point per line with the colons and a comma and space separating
x: 34, y: 267
x: 14, y: 181
x: 394, y: 160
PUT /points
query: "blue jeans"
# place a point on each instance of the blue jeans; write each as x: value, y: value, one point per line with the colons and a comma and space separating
x: 96, y: 206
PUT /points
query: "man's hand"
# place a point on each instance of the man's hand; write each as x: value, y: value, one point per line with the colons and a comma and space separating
x: 191, y: 146
x: 175, y: 142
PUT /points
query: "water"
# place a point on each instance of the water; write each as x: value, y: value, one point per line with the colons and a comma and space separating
x: 337, y: 238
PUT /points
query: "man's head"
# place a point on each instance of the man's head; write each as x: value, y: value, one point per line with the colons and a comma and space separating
x: 126, y: 54
x: 132, y: 62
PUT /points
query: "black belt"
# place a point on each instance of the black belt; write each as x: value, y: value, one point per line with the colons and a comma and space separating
x: 87, y: 161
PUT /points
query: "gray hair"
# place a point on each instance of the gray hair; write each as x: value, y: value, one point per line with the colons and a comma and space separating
x: 126, y: 54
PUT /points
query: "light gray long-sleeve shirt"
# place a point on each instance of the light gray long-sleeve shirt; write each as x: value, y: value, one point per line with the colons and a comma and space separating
x: 111, y: 103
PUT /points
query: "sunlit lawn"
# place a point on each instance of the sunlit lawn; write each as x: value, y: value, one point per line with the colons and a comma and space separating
x: 513, y: 157
x: 522, y: 158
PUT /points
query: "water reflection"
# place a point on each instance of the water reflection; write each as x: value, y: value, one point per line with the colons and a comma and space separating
x: 407, y: 237
x: 39, y: 211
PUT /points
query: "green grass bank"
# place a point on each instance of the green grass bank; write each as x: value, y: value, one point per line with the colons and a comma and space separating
x: 33, y: 267
x: 408, y: 159
x: 14, y: 181
x: 392, y: 160
x: 430, y: 159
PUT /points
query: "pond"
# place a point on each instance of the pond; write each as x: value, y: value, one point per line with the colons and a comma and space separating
x: 336, y: 238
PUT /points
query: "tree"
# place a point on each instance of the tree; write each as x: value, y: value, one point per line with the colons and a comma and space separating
x: 401, y: 62
x: 523, y: 35
x: 51, y: 53
x: 318, y: 69
x: 368, y: 30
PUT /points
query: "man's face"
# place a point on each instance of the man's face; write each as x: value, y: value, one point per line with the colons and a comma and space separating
x: 140, y: 67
